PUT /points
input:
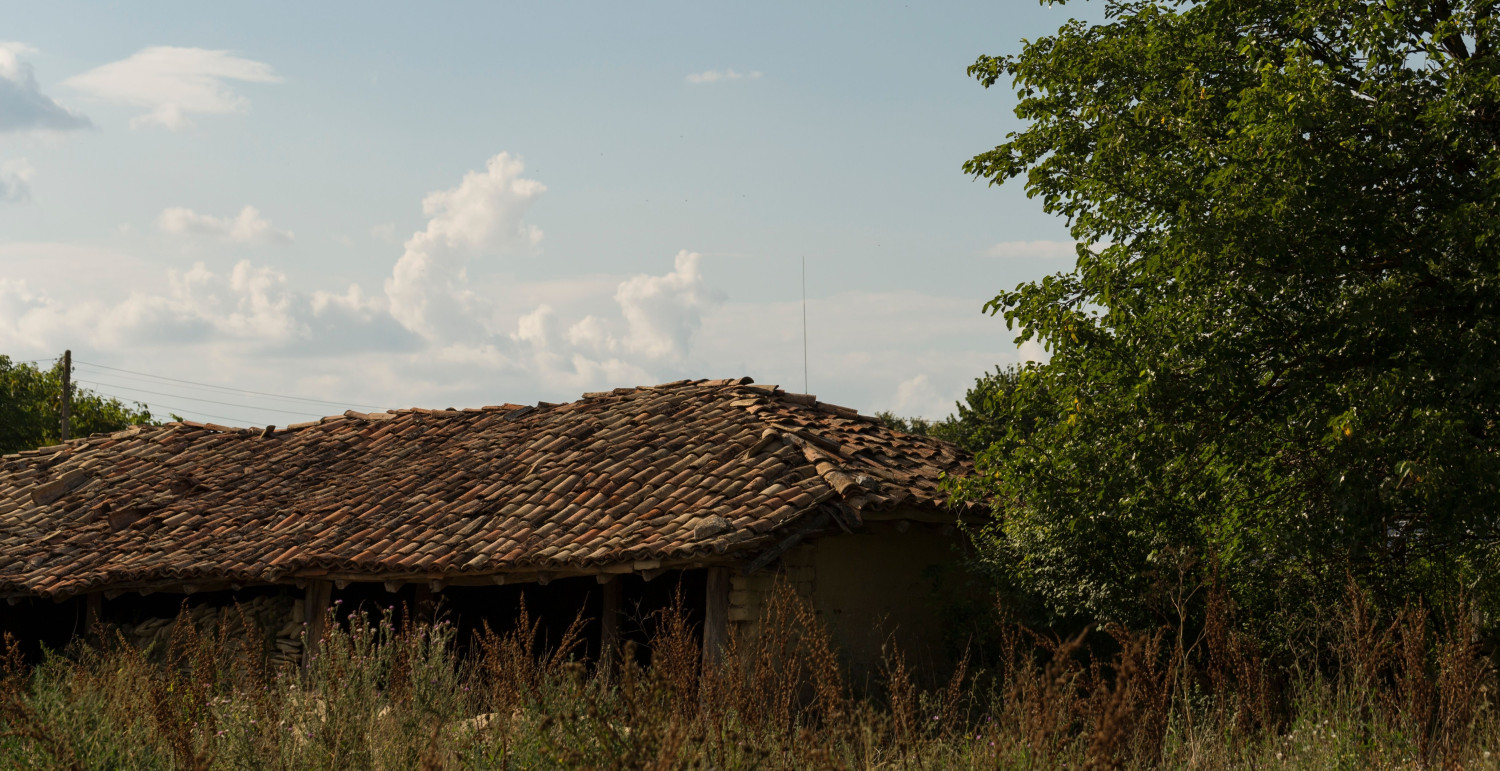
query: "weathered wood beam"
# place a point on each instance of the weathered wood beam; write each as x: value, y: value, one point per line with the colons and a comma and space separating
x: 425, y: 606
x: 609, y: 623
x: 93, y: 612
x: 716, y: 617
x: 314, y: 615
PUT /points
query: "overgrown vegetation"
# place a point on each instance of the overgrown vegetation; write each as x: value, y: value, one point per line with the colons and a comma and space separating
x: 31, y: 408
x: 1407, y: 689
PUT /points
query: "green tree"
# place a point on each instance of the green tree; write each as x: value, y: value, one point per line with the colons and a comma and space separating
x: 1277, y: 350
x: 31, y: 404
x: 981, y: 419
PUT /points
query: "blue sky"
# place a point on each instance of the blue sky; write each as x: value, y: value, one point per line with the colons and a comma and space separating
x: 394, y: 205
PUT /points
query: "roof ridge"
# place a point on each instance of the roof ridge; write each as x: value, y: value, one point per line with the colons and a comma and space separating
x: 647, y: 475
x: 850, y: 471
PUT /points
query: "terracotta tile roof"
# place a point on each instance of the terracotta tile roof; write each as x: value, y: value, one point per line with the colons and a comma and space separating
x: 666, y: 474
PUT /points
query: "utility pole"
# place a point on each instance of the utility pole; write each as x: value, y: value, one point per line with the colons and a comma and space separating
x: 67, y: 394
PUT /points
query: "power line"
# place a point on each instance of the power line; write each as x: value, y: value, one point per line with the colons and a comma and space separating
x: 227, y: 388
x: 196, y: 384
x: 231, y: 392
x: 197, y: 399
x: 172, y: 408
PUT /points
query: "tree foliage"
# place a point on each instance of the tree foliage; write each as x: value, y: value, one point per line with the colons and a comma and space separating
x: 980, y: 420
x: 31, y: 408
x: 1277, y: 350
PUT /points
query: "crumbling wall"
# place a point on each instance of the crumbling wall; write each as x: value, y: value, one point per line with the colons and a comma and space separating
x: 748, y: 595
x: 275, y: 618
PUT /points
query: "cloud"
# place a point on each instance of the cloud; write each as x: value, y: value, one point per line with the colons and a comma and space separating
x: 252, y: 327
x: 248, y: 227
x: 386, y: 232
x: 172, y: 83
x: 484, y: 214
x: 862, y: 347
x: 663, y: 312
x: 650, y: 338
x: 23, y: 106
x: 15, y: 180
x: 454, y: 330
x: 1040, y: 250
x: 660, y: 315
x: 252, y: 310
x: 714, y: 76
x: 917, y: 397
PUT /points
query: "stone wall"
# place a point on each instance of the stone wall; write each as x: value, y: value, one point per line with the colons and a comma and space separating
x: 276, y: 619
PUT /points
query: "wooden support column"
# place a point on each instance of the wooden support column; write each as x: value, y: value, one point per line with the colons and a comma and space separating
x: 424, y: 604
x: 609, y: 622
x: 716, y: 617
x: 93, y: 612
x: 314, y: 613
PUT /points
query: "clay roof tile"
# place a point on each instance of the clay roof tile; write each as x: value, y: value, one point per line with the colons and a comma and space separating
x: 664, y: 471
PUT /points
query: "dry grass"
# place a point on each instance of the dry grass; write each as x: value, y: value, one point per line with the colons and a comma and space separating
x: 1402, y: 689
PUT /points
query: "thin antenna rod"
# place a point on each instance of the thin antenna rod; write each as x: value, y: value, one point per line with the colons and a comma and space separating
x: 805, y: 387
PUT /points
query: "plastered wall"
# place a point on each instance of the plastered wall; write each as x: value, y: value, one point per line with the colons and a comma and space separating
x: 868, y: 588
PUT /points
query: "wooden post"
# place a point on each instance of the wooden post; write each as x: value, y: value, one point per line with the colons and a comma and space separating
x: 67, y: 395
x: 93, y: 612
x: 424, y: 603
x: 314, y: 613
x: 716, y: 617
x: 609, y: 623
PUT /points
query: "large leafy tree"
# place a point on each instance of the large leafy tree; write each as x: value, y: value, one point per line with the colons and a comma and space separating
x: 979, y: 420
x: 31, y: 408
x: 1278, y: 351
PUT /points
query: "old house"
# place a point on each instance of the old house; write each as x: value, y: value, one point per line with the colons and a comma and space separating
x: 608, y: 505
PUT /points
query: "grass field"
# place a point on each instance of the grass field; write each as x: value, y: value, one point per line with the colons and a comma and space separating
x: 1369, y: 691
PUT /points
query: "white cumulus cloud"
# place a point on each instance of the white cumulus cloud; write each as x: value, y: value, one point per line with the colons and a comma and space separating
x: 15, y: 180
x: 448, y: 328
x: 23, y: 106
x: 918, y: 397
x: 484, y: 214
x: 172, y: 83
x: 663, y: 312
x: 715, y: 76
x: 660, y: 315
x: 247, y: 227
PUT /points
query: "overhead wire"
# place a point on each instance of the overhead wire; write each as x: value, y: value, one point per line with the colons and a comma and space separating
x: 225, y: 388
x: 179, y: 409
x: 197, y: 399
x: 224, y: 391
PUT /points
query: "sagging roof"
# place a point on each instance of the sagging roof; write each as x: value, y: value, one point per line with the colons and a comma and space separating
x: 664, y: 474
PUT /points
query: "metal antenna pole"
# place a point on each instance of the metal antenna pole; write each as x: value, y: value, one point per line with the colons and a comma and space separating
x: 805, y: 388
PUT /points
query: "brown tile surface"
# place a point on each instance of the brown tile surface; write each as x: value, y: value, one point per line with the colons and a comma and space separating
x: 665, y: 473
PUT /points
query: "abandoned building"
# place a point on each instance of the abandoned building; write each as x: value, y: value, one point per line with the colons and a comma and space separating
x: 609, y: 505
